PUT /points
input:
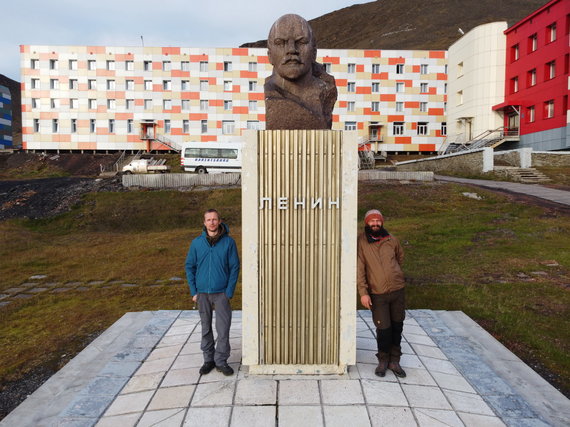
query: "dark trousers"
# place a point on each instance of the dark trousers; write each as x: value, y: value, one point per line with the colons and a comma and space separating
x: 388, y: 313
x: 206, y: 303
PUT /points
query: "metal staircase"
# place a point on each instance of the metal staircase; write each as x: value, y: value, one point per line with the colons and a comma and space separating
x: 169, y: 143
x: 490, y: 138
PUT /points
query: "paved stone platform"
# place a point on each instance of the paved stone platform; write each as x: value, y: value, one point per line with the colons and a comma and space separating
x: 143, y: 371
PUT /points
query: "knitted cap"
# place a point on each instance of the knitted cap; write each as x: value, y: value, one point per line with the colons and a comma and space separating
x: 373, y: 214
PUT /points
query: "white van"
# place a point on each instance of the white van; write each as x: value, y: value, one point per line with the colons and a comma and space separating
x: 211, y: 157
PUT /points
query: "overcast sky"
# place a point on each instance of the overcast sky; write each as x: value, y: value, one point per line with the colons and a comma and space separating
x: 185, y: 23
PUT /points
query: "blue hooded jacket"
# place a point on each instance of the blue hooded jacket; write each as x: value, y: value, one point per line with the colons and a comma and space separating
x: 212, y: 269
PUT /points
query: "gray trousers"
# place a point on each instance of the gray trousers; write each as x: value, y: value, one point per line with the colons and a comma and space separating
x: 206, y: 304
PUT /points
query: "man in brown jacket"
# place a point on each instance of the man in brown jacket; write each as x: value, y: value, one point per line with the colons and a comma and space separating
x: 381, y: 289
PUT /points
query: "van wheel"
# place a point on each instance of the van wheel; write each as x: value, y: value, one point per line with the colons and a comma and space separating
x: 201, y: 170
x: 127, y: 173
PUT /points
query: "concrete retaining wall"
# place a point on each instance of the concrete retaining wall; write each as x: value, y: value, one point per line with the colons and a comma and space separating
x: 475, y: 161
x: 548, y: 158
x: 520, y: 158
x: 176, y: 180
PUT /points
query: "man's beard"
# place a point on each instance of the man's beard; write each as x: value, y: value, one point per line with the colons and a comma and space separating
x: 374, y: 232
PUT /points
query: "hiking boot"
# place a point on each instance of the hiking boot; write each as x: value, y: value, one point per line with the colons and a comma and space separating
x: 381, y: 368
x: 225, y: 369
x: 207, y: 368
x: 397, y: 369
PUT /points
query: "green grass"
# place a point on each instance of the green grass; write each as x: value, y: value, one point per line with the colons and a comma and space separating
x: 484, y: 257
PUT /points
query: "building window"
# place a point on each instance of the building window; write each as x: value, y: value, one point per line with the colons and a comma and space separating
x: 514, y: 84
x: 147, y: 65
x: 203, y: 105
x: 53, y: 83
x: 551, y: 33
x: 55, y: 126
x: 351, y: 68
x: 54, y: 103
x: 185, y: 105
x: 130, y: 126
x: 228, y: 66
x: 349, y: 125
x: 399, y: 107
x: 167, y: 104
x: 36, y: 125
x: 550, y: 71
x: 375, y: 106
x: 423, y: 68
x: 549, y: 109
x: 111, y: 104
x: 166, y: 85
x: 227, y: 105
x: 167, y: 126
x: 252, y: 86
x: 399, y: 87
x: 203, y: 66
x: 533, y: 42
x: 166, y: 66
x: 459, y: 97
x: 129, y: 65
x: 443, y: 128
x: 73, y: 84
x: 375, y: 68
x: 53, y: 64
x: 73, y: 64
x: 328, y: 67
x: 148, y: 104
x: 228, y: 127
x: 531, y: 77
x: 227, y: 85
x: 92, y: 103
x: 130, y: 85
x: 110, y: 65
x: 515, y: 52
x: 350, y: 106
x: 185, y: 65
x: 111, y: 125
x: 252, y: 124
x: 185, y: 85
x: 204, y: 126
x: 445, y: 88
x: 185, y: 126
x: 422, y: 128
x: 129, y: 104
x: 73, y: 125
x: 74, y: 103
x: 423, y: 87
x: 35, y: 83
x: 399, y: 68
x: 35, y: 103
x: 398, y: 128
x: 148, y: 85
x: 110, y: 84
x: 351, y: 87
x: 423, y: 107
x: 252, y: 66
x: 460, y: 69
x: 91, y: 64
x: 34, y: 64
x: 252, y: 105
x: 375, y: 87
x: 530, y: 114
x: 92, y: 84
x: 92, y: 125
x: 204, y: 85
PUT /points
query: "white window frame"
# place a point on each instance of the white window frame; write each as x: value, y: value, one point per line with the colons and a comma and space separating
x: 111, y: 126
x: 375, y: 87
x: 423, y: 68
x: 36, y: 125
x: 351, y: 106
x: 53, y: 64
x: 349, y: 125
x: 130, y: 84
x: 167, y: 85
x: 130, y: 126
x: 400, y: 87
x: 397, y: 128
x: 228, y: 66
x: 375, y: 68
x: 375, y: 106
x: 185, y: 85
x: 111, y: 84
x: 129, y: 65
x: 147, y: 65
x: 35, y: 83
x: 92, y: 104
x: 185, y: 126
x: 91, y: 84
x: 252, y: 105
x: 252, y: 67
x: 422, y: 128
x: 54, y: 84
x: 185, y: 65
x: 228, y: 104
x: 203, y: 126
x: 228, y: 127
x: 111, y: 104
x: 351, y: 68
x: 92, y: 126
x: 167, y: 126
x: 148, y: 104
x: 54, y: 126
x: 110, y: 65
x: 227, y: 85
x: 73, y: 125
x: 129, y: 104
x: 73, y: 103
x: 203, y: 66
x: 91, y: 64
x: 204, y: 105
x: 252, y: 85
x: 73, y: 84
x: 399, y: 107
x: 399, y: 68
x: 185, y: 105
x: 166, y: 66
x: 204, y: 84
x: 351, y: 87
x: 424, y: 88
x: 167, y: 104
x: 148, y: 85
x: 423, y: 107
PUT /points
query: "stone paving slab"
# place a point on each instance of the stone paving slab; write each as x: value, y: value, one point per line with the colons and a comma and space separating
x: 143, y: 371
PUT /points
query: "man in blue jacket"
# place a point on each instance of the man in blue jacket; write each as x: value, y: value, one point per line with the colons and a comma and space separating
x: 212, y: 269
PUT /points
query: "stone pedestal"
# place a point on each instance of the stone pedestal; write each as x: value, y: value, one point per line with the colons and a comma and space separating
x: 299, y: 219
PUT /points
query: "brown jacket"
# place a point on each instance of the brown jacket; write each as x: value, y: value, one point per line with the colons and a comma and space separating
x: 379, y: 264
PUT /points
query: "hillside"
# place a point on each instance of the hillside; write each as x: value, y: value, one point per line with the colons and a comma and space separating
x: 411, y: 24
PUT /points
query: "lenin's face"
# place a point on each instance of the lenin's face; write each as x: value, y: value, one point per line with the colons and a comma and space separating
x: 291, y: 47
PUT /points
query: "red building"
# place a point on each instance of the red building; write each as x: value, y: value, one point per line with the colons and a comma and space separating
x: 536, y: 80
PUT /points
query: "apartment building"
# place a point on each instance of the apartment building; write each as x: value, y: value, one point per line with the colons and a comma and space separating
x: 102, y: 98
x: 5, y: 118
